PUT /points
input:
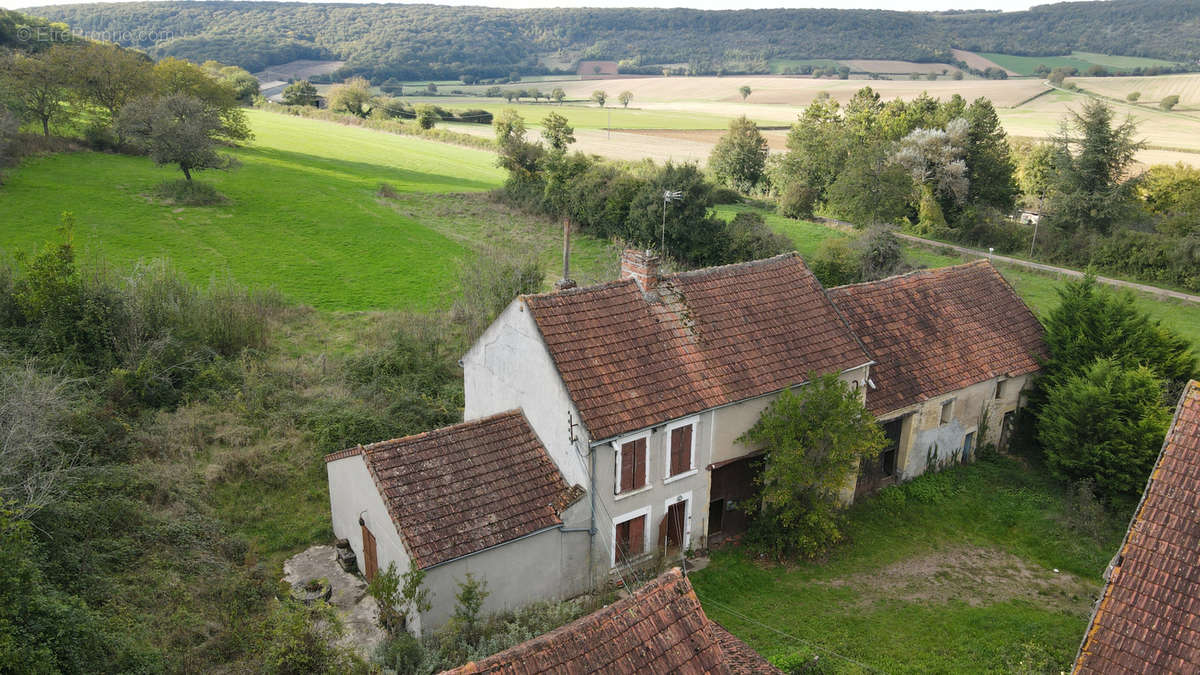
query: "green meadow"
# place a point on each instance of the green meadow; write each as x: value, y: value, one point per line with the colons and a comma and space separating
x: 302, y: 214
x: 1026, y: 65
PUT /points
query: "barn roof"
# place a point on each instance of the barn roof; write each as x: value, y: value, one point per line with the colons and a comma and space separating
x: 464, y: 488
x: 1148, y: 619
x: 935, y: 331
x: 715, y: 336
x: 660, y: 628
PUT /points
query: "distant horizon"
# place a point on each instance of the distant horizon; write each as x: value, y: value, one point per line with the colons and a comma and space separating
x: 904, y: 6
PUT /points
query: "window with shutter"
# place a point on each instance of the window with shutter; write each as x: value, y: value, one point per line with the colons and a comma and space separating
x: 630, y: 538
x: 681, y: 450
x: 632, y: 465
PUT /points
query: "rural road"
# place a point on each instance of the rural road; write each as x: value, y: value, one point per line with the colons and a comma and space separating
x: 1120, y: 283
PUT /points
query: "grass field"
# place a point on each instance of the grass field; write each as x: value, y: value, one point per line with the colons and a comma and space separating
x: 781, y: 65
x: 302, y: 215
x: 967, y: 570
x: 1027, y: 65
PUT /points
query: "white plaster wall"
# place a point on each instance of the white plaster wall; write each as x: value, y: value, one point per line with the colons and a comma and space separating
x: 353, y: 495
x: 508, y: 368
x: 548, y: 566
x: 610, y: 506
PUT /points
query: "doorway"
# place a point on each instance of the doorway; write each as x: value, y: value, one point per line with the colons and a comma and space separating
x: 370, y: 555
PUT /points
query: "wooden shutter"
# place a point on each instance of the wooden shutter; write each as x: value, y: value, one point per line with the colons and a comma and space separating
x: 681, y: 450
x: 633, y: 465
x: 639, y: 462
x: 637, y: 539
x: 627, y: 462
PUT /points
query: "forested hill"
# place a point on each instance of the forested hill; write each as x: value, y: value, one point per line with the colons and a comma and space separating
x: 427, y: 41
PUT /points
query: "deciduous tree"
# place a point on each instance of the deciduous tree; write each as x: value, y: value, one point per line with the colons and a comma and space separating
x: 814, y: 437
x: 176, y: 129
x: 300, y: 92
x: 625, y: 97
x: 353, y: 96
x: 36, y: 85
x: 557, y: 132
x: 745, y: 91
x: 600, y: 97
x: 740, y: 156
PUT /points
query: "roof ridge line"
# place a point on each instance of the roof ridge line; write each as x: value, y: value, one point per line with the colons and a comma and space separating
x: 446, y: 429
x: 925, y: 270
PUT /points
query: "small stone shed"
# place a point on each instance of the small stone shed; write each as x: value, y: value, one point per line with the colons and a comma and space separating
x: 480, y: 497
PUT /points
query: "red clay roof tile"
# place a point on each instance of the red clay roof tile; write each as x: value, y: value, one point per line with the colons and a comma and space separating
x: 467, y: 487
x: 1148, y: 618
x: 660, y: 628
x: 716, y: 336
x: 935, y: 331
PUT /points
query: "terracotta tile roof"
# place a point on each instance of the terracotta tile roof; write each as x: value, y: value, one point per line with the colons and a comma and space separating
x: 935, y: 331
x: 467, y: 487
x: 661, y: 628
x: 718, y: 335
x: 741, y: 659
x: 1148, y: 619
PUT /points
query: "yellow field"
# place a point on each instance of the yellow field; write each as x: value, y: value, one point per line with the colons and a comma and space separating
x: 904, y: 67
x: 1153, y: 89
x: 794, y: 91
x: 694, y: 110
x: 979, y: 62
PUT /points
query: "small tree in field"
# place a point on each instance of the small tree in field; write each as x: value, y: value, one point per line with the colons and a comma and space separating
x: 814, y: 438
x: 177, y: 129
x: 740, y: 156
x: 600, y: 97
x: 625, y: 97
x: 426, y: 116
x: 744, y: 90
x: 558, y: 95
x: 1105, y: 424
x: 557, y: 132
x: 301, y: 92
x: 1169, y: 102
x: 1133, y: 96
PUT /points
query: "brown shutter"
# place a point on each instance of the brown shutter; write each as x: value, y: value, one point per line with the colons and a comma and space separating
x: 681, y: 450
x: 639, y: 463
x: 370, y: 555
x: 637, y: 528
x: 627, y: 461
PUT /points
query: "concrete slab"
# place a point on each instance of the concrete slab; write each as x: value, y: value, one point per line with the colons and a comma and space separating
x: 358, y: 611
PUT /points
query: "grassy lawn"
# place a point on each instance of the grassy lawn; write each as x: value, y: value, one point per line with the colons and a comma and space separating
x: 960, y: 571
x: 302, y: 215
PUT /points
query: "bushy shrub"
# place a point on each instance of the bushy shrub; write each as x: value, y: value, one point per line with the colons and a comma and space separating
x: 836, y: 263
x: 1105, y: 424
x: 489, y: 282
x: 299, y: 639
x: 749, y: 238
x: 803, y: 661
x: 798, y: 201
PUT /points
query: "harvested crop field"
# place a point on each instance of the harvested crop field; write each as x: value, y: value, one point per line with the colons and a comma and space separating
x: 1152, y: 89
x: 896, y: 67
x: 979, y: 62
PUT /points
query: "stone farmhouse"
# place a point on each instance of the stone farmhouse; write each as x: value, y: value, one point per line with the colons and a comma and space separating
x: 603, y: 422
x: 1147, y: 620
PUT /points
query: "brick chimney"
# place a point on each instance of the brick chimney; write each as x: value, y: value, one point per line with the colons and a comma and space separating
x: 642, y: 267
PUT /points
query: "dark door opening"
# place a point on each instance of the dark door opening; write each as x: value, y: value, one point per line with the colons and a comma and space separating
x: 877, y: 472
x: 716, y: 515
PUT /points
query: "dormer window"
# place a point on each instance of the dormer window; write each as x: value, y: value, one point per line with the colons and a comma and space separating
x: 633, y: 467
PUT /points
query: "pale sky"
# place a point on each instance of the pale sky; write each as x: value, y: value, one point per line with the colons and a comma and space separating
x: 920, y: 5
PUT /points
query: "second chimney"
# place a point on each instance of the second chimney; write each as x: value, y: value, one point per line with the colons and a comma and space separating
x: 642, y: 267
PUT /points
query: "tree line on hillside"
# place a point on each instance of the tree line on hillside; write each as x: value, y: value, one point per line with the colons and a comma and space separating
x: 410, y: 42
x: 947, y: 170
